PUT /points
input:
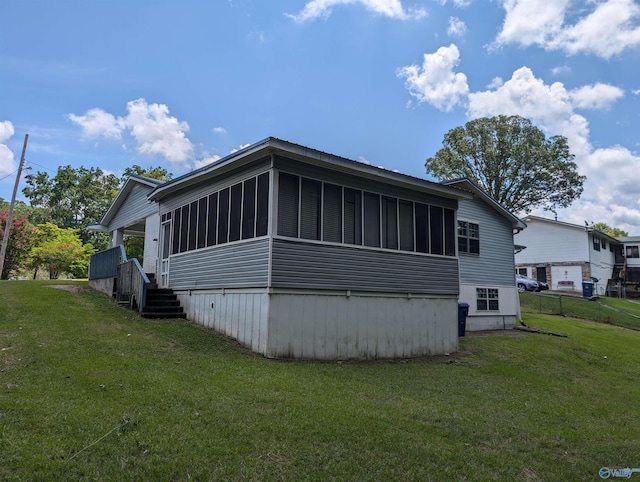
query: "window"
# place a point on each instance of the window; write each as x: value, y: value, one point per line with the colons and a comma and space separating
x: 633, y: 252
x: 422, y: 228
x: 288, y: 205
x: 235, y: 213
x: 213, y: 219
x: 240, y: 211
x: 436, y: 228
x: 389, y: 222
x: 223, y: 216
x: 310, y: 209
x: 202, y: 222
x: 177, y: 228
x: 371, y: 220
x: 405, y: 211
x: 468, y: 237
x: 332, y: 213
x: 249, y: 209
x: 262, y: 205
x: 487, y: 299
x: 449, y: 232
x: 352, y: 216
x: 596, y: 243
x: 184, y: 232
x: 317, y: 210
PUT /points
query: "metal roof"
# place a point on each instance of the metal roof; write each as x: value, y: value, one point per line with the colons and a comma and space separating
x: 272, y: 145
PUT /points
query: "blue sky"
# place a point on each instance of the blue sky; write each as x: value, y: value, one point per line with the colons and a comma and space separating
x: 176, y: 83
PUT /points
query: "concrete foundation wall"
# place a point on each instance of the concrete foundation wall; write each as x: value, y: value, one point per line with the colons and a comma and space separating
x: 104, y: 285
x: 328, y: 326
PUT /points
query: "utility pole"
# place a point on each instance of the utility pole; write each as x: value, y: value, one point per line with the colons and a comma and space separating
x: 7, y: 228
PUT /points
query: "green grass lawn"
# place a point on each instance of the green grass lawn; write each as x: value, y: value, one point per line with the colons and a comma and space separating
x: 90, y: 391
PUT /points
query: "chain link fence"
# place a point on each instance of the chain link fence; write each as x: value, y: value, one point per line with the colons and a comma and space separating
x: 576, y: 307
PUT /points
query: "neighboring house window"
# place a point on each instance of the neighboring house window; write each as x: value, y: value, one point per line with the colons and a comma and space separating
x: 487, y: 299
x: 312, y: 209
x: 604, y: 244
x: 237, y: 212
x: 633, y: 252
x: 596, y: 243
x: 522, y: 271
x: 468, y: 237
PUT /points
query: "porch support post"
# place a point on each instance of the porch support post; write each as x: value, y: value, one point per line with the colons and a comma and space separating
x: 117, y: 238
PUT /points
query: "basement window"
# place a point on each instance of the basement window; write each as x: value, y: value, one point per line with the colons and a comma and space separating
x: 487, y: 299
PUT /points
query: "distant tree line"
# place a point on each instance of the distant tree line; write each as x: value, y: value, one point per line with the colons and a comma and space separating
x: 49, y: 234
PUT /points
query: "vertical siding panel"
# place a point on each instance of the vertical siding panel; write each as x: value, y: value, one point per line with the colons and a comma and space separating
x: 331, y: 329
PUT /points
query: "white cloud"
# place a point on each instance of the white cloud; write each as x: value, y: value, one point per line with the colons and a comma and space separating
x: 608, y: 29
x: 611, y: 191
x: 98, y: 123
x: 457, y: 3
x: 219, y: 130
x: 158, y: 133
x: 387, y: 8
x: 435, y: 82
x: 457, y: 27
x: 207, y: 160
x: 561, y: 69
x: 636, y: 92
x: 7, y: 162
x: 596, y: 96
x: 363, y: 160
x: 242, y: 146
x: 154, y: 130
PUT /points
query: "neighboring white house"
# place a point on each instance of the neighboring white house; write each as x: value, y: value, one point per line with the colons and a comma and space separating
x: 486, y: 253
x: 630, y: 252
x: 564, y: 254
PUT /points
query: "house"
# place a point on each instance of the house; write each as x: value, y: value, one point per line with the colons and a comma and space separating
x: 130, y: 213
x: 297, y: 253
x: 486, y: 252
x: 564, y: 254
x: 627, y: 269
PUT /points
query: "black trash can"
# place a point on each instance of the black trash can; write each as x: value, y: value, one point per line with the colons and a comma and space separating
x: 587, y: 289
x: 463, y: 311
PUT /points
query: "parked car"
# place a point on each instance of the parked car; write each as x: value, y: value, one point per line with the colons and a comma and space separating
x: 543, y: 286
x: 526, y: 284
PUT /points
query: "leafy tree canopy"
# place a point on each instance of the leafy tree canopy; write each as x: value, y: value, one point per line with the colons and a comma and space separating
x: 159, y: 173
x: 60, y: 250
x: 73, y: 198
x: 512, y: 160
x: 608, y: 230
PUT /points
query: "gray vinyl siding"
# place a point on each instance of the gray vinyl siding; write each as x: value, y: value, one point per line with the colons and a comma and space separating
x: 495, y: 264
x: 134, y: 208
x: 243, y: 264
x: 355, y: 182
x: 300, y: 264
x: 204, y: 188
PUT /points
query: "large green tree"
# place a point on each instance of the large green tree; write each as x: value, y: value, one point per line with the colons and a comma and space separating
x: 159, y: 173
x: 512, y: 160
x: 73, y: 198
x: 608, y: 230
x: 60, y: 251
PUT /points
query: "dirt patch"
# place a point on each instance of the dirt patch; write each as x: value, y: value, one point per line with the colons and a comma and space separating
x: 70, y: 288
x: 494, y: 333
